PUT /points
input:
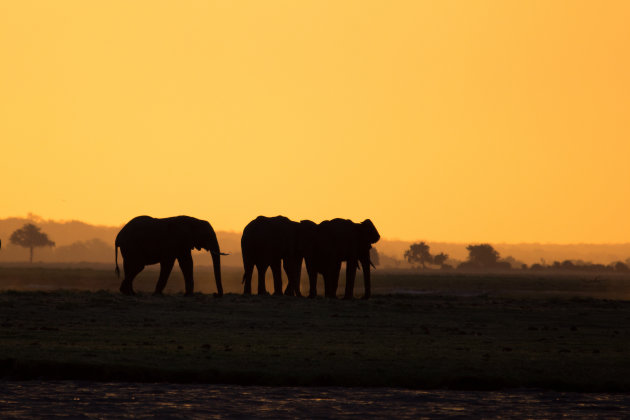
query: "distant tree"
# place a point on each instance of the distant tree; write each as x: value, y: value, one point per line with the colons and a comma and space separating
x: 440, y: 259
x: 483, y: 255
x: 419, y: 254
x: 599, y: 267
x: 29, y: 236
x: 503, y: 265
x: 374, y: 257
x: 621, y: 267
x: 512, y: 262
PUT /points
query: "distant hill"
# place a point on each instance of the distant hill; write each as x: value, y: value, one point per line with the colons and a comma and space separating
x: 62, y: 232
x: 78, y: 241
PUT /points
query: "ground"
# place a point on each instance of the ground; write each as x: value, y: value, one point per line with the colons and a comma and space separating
x: 459, y: 332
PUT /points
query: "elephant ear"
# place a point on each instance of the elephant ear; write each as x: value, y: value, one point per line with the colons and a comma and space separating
x: 204, y: 235
x: 200, y: 231
x: 370, y: 234
x: 186, y: 235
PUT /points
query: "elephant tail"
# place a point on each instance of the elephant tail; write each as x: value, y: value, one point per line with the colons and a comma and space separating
x: 116, y: 259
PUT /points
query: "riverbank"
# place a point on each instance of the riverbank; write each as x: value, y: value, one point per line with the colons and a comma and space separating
x: 420, y: 341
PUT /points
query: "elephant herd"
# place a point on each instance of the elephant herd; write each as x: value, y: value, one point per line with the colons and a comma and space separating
x: 267, y: 242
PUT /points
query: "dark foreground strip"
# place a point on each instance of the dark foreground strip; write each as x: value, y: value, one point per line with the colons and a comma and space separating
x: 13, y: 369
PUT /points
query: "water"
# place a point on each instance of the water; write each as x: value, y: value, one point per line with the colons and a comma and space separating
x: 75, y: 399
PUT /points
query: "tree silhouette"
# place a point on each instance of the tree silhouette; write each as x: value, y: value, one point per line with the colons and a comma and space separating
x: 483, y: 255
x: 29, y: 236
x: 440, y: 259
x: 419, y: 253
x: 621, y: 267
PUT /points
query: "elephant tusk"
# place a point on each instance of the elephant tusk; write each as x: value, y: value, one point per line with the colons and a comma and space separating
x: 218, y: 253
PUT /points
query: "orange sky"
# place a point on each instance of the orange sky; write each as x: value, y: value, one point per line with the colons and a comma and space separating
x: 499, y: 121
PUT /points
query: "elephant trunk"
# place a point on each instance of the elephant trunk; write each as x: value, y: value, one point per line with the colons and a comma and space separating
x: 365, y: 264
x: 215, y: 252
x: 216, y: 262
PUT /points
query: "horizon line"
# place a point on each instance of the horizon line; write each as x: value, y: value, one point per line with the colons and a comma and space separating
x: 37, y: 218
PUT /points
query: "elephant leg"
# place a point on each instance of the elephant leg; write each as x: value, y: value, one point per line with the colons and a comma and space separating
x: 331, y: 281
x: 297, y: 280
x: 131, y: 271
x: 334, y: 280
x: 312, y: 281
x: 262, y: 269
x: 247, y: 278
x: 329, y: 291
x: 366, y: 278
x: 186, y: 265
x: 293, y: 272
x: 166, y: 267
x: 287, y: 269
x: 351, y: 272
x: 277, y: 278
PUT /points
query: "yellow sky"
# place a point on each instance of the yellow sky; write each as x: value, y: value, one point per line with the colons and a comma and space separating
x: 499, y: 121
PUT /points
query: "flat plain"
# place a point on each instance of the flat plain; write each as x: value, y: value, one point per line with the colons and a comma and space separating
x: 419, y: 330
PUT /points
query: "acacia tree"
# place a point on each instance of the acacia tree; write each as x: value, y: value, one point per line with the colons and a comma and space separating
x: 483, y: 255
x: 29, y: 236
x: 440, y: 259
x: 419, y: 253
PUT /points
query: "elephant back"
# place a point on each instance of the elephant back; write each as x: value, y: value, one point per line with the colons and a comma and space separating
x: 271, y: 237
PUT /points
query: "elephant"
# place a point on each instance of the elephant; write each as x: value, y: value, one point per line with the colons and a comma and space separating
x: 336, y: 241
x: 145, y: 240
x: 270, y: 241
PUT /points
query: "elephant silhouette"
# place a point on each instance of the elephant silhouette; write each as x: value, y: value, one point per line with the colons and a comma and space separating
x: 336, y: 241
x: 272, y: 242
x: 145, y: 240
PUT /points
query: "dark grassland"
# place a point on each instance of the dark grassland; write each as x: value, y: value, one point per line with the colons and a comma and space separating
x: 473, y: 331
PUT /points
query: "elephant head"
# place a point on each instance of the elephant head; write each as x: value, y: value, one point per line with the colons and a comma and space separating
x: 368, y: 232
x: 200, y: 235
x: 367, y: 235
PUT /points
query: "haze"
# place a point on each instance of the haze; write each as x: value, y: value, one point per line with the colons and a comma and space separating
x: 487, y: 121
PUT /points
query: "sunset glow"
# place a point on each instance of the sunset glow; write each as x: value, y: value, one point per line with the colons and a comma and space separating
x: 488, y: 121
